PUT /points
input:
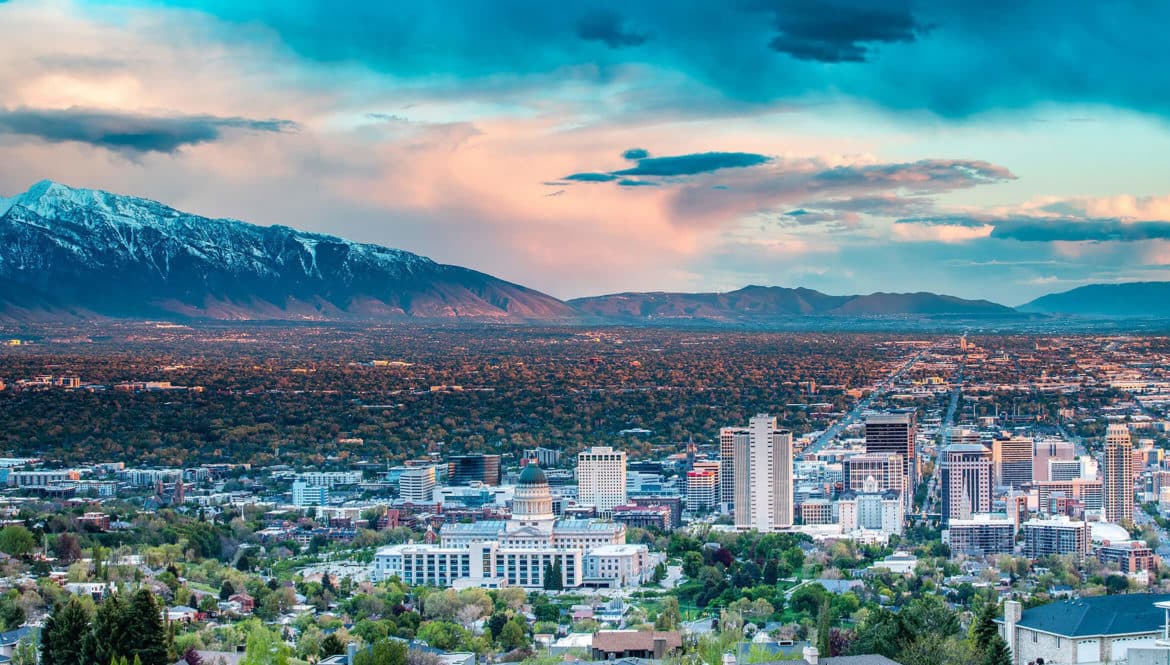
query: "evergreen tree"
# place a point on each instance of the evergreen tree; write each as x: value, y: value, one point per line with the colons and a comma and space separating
x: 984, y: 628
x: 332, y: 646
x: 996, y: 652
x: 824, y: 628
x: 59, y: 643
x: 771, y: 572
x: 226, y: 590
x: 106, y: 640
x: 147, y: 635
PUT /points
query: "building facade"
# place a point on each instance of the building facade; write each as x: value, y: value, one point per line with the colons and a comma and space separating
x: 1059, y: 535
x: 894, y: 433
x: 1012, y: 458
x: 763, y: 477
x: 965, y: 476
x: 981, y: 535
x: 522, y: 550
x: 1117, y: 474
x: 417, y: 484
x: 601, y: 478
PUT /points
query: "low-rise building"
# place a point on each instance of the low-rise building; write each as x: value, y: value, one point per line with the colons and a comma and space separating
x: 1097, y: 629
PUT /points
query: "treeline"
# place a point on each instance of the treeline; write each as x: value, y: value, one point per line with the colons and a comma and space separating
x: 119, y: 630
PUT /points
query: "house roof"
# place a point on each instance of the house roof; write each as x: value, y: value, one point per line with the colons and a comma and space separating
x: 634, y: 640
x: 1098, y: 615
x: 13, y: 636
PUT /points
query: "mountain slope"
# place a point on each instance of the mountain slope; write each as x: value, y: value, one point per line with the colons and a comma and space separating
x: 774, y: 302
x: 84, y: 252
x: 1132, y: 299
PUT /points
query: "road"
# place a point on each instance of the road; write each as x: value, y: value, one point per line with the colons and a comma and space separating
x: 948, y: 421
x: 851, y: 417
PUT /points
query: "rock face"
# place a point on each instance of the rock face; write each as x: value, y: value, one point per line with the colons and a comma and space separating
x: 82, y: 253
x: 1149, y: 300
x: 762, y: 303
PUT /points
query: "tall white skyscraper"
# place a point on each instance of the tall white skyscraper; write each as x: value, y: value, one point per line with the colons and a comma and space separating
x: 727, y: 442
x: 417, y: 484
x: 601, y: 478
x: 763, y: 477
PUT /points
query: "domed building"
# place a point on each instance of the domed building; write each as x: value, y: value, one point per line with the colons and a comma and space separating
x: 521, y: 550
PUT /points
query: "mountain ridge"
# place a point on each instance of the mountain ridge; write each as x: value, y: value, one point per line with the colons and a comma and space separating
x: 1144, y: 299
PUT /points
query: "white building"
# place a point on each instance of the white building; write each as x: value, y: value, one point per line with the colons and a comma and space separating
x: 417, y: 484
x: 304, y: 494
x: 703, y: 488
x: 601, y: 478
x: 43, y: 478
x: 871, y: 510
x: 519, y: 551
x: 763, y: 477
x: 331, y: 478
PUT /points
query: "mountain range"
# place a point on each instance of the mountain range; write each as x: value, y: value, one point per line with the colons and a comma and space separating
x: 79, y: 253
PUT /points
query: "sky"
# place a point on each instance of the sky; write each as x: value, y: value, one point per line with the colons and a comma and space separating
x: 998, y: 150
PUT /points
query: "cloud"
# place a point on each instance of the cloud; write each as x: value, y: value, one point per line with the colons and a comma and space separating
x: 591, y: 177
x: 677, y: 165
x: 609, y: 27
x: 128, y: 132
x: 630, y: 182
x: 922, y: 176
x: 913, y: 231
x: 1027, y: 228
x: 634, y: 154
x: 838, y: 31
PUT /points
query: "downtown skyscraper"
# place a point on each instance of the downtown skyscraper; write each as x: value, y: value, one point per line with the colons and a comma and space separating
x: 763, y: 477
x: 1117, y: 474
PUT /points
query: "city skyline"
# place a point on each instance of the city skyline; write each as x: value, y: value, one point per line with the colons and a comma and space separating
x: 848, y: 147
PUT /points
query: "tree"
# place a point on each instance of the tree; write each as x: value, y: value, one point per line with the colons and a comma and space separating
x: 192, y: 657
x: 226, y: 590
x: 59, y: 643
x: 264, y: 647
x: 146, y: 635
x: 25, y: 652
x: 332, y: 646
x: 16, y: 540
x: 553, y: 577
x: 514, y: 634
x: 67, y: 548
x: 771, y: 572
x: 984, y: 628
x: 1116, y: 584
x: 108, y: 633
x: 382, y: 652
x: 824, y: 626
x: 669, y: 617
x: 659, y: 573
x: 495, y: 624
x: 996, y: 652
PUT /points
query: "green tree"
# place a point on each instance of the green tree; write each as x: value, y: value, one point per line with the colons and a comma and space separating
x: 146, y: 636
x: 996, y: 652
x: 332, y: 646
x: 553, y: 577
x: 984, y: 628
x: 514, y: 634
x: 59, y: 643
x: 108, y: 634
x: 669, y: 617
x: 264, y: 647
x: 824, y: 627
x: 382, y: 652
x: 16, y: 540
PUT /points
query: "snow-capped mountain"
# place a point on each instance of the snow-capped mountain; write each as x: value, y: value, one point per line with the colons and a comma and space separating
x: 88, y: 252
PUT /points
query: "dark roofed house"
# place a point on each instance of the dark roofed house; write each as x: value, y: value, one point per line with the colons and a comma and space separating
x: 1097, y: 629
x: 614, y: 644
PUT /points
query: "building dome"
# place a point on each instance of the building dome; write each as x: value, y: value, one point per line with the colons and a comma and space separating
x: 532, y: 475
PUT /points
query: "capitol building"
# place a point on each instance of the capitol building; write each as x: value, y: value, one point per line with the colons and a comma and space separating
x: 518, y: 551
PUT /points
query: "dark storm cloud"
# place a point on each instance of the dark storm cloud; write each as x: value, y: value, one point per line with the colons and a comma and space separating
x: 1024, y: 228
x: 127, y: 132
x: 635, y: 154
x: 837, y: 31
x: 608, y: 26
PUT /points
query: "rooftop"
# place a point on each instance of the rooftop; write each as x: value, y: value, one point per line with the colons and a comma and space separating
x: 1124, y: 614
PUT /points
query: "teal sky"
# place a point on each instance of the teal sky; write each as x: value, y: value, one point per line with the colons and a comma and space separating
x: 590, y: 147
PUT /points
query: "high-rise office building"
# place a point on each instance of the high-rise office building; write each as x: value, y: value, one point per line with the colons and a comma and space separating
x: 886, y: 469
x: 727, y: 441
x: 1045, y: 450
x: 965, y: 485
x: 1065, y: 470
x: 601, y: 478
x: 763, y: 477
x: 702, y: 489
x: 306, y: 494
x: 1117, y: 474
x: 465, y: 469
x: 1013, y: 461
x: 893, y: 432
x: 417, y: 484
